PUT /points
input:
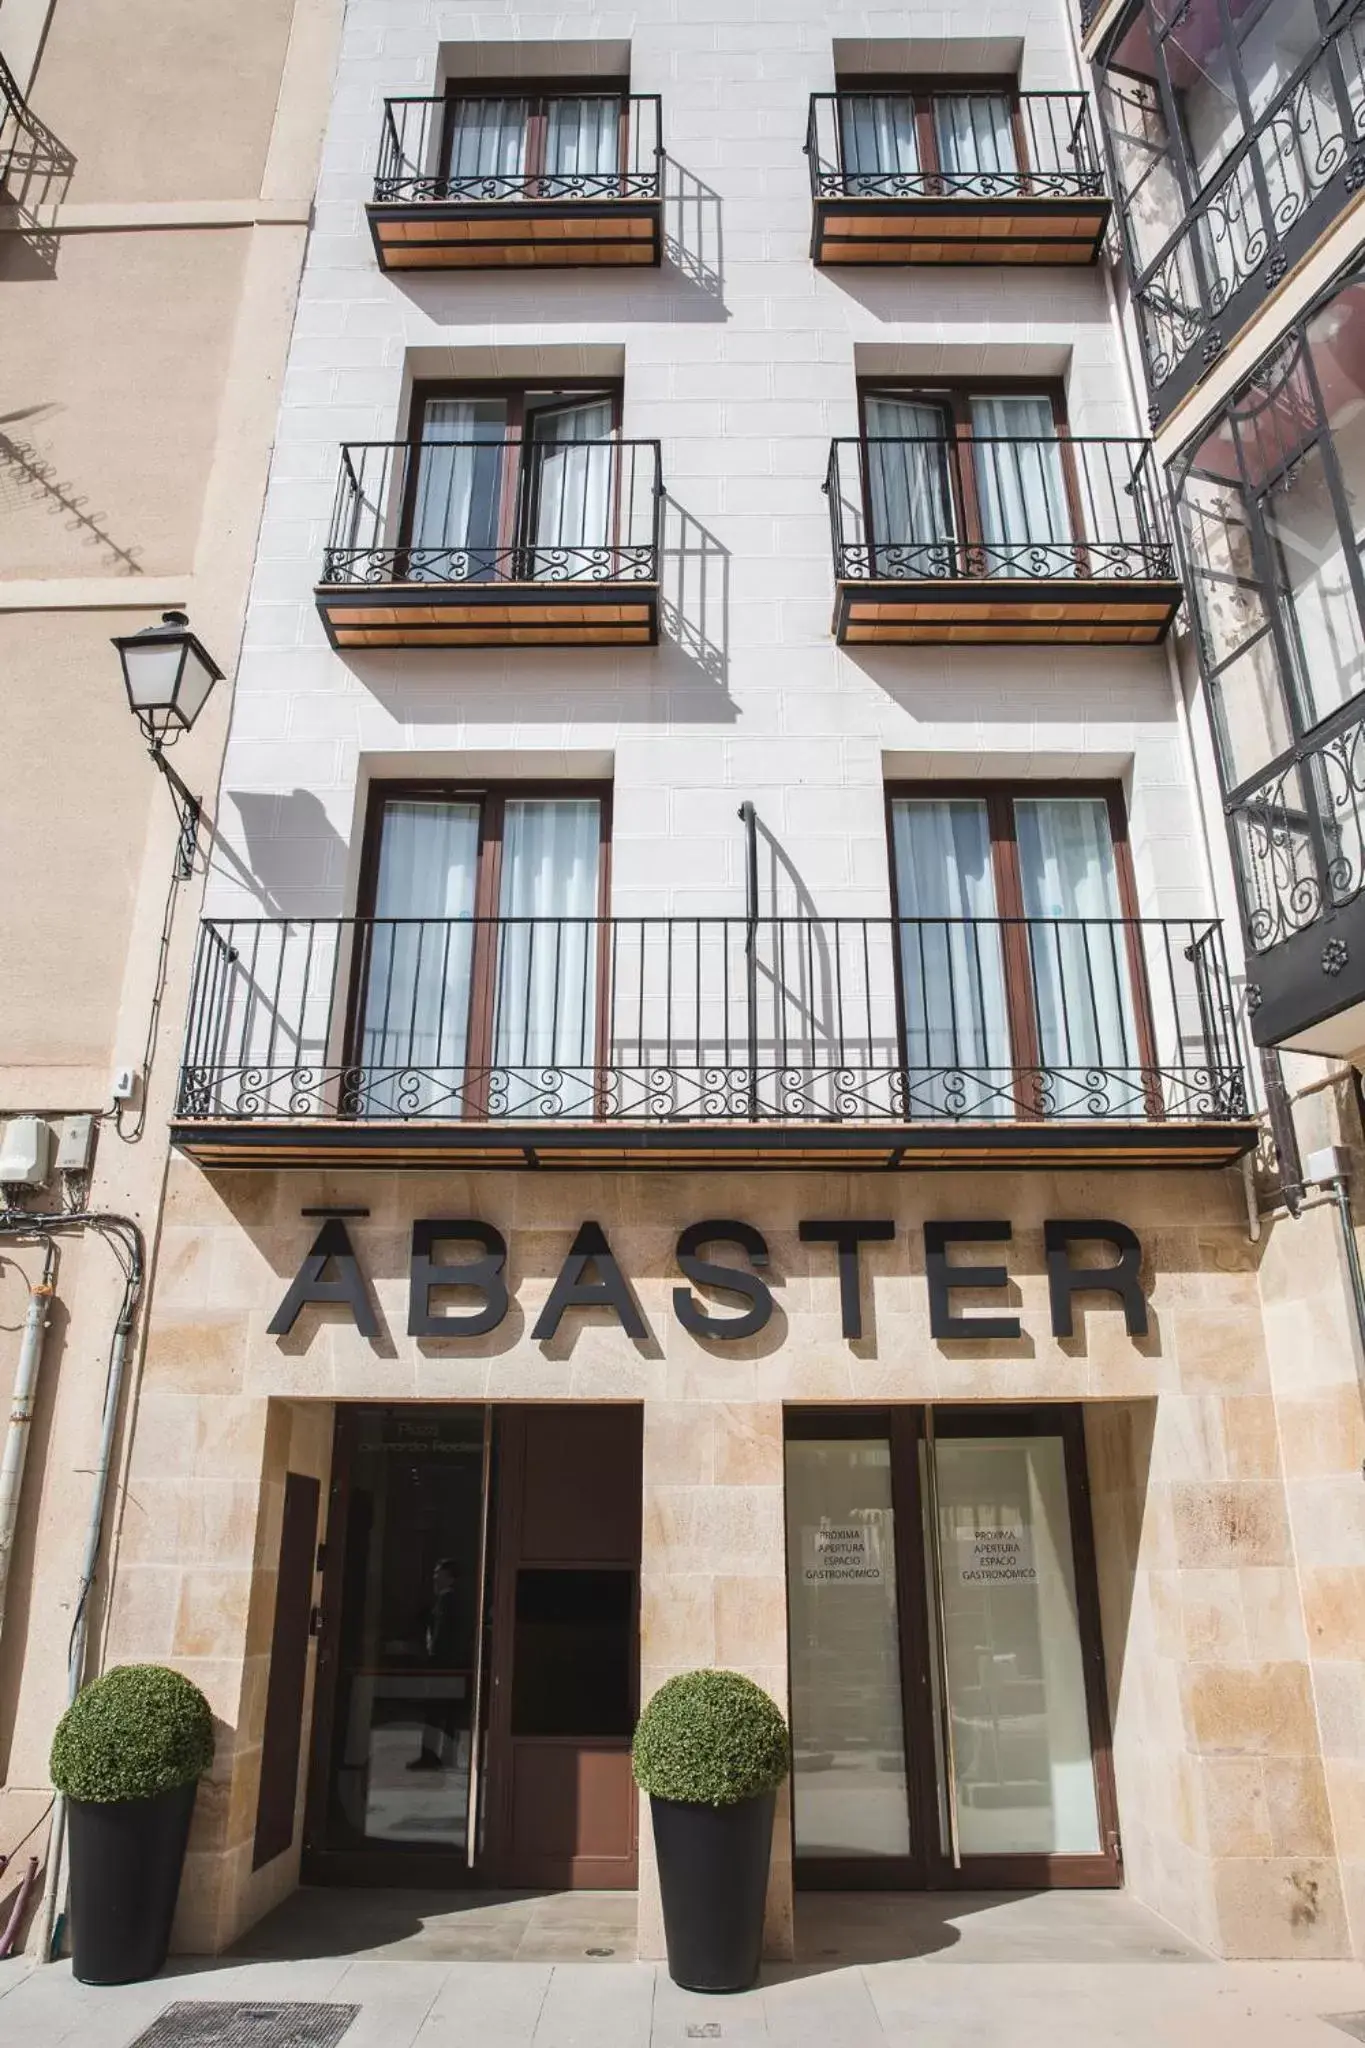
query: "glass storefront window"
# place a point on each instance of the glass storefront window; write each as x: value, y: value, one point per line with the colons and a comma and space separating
x: 1011, y: 1661
x: 848, y: 1737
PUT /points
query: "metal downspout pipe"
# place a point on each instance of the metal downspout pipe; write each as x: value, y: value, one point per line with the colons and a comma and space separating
x: 15, y: 1453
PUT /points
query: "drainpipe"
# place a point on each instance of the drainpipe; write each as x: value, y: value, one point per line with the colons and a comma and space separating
x: 21, y: 1414
x: 749, y: 819
x: 1329, y: 1169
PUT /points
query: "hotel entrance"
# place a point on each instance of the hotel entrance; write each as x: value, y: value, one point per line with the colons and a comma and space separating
x: 949, y: 1721
x: 478, y: 1672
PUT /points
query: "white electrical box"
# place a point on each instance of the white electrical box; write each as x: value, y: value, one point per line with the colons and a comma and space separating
x: 75, y: 1143
x: 25, y: 1152
x: 124, y: 1085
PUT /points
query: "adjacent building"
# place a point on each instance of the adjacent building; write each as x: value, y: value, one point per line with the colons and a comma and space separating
x: 715, y: 1122
x: 152, y: 230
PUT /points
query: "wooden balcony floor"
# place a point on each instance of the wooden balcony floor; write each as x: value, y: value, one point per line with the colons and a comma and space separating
x: 521, y: 234
x: 569, y: 614
x: 959, y: 230
x: 1005, y: 611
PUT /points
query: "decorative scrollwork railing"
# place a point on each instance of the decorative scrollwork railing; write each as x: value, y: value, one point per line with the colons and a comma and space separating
x: 931, y: 509
x: 1299, y: 834
x: 1033, y: 145
x: 712, y: 1020
x: 1201, y: 261
x: 496, y: 511
x: 520, y: 149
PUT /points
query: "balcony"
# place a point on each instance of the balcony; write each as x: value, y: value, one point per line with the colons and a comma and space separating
x: 518, y: 182
x: 941, y: 541
x: 895, y: 180
x: 1298, y: 839
x: 1213, y: 215
x: 725, y: 1041
x: 494, y: 542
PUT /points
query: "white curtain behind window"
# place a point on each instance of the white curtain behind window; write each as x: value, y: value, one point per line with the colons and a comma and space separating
x: 877, y: 140
x: 975, y: 134
x: 952, y: 973
x: 415, y: 1017
x: 458, y: 497
x: 574, y: 454
x: 488, y: 139
x: 1081, y: 977
x: 583, y: 137
x: 910, y: 493
x: 545, y: 1021
x: 1025, y: 525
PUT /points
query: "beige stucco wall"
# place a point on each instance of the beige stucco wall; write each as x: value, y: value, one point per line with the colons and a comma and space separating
x: 146, y: 301
x: 1220, y: 1733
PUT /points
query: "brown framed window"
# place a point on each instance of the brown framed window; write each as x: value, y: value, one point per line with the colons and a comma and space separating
x: 511, y: 482
x: 975, y: 480
x: 1022, y: 982
x: 475, y: 981
x: 535, y: 139
x: 956, y: 137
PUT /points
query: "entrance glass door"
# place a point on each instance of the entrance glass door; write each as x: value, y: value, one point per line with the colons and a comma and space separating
x: 399, y: 1661
x: 948, y: 1716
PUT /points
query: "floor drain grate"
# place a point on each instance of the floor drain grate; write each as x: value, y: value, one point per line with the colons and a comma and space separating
x: 195, y: 2023
x: 599, y: 1951
x: 703, y: 2030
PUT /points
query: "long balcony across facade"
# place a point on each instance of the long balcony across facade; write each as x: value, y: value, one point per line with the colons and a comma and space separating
x: 519, y: 179
x: 1234, y: 140
x: 999, y: 539
x: 863, y: 1041
x: 494, y: 542
x: 924, y: 176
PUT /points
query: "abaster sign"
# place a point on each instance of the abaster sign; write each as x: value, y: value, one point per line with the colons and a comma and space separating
x: 590, y: 1277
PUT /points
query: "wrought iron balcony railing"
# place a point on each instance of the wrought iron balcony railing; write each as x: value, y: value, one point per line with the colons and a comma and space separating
x: 928, y: 509
x: 725, y: 1020
x: 1201, y: 262
x: 442, y: 512
x: 1299, y: 834
x: 522, y: 148
x: 868, y: 146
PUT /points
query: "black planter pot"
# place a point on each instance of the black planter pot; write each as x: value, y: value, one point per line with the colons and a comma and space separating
x: 126, y: 1859
x: 713, y: 1877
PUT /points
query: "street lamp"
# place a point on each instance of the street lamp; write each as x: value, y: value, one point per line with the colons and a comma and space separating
x: 168, y: 673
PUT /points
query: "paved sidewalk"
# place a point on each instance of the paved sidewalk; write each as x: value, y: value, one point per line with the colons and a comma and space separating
x: 970, y: 1974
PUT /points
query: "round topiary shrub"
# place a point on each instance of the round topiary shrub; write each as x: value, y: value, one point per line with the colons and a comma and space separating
x: 138, y: 1731
x: 710, y: 1738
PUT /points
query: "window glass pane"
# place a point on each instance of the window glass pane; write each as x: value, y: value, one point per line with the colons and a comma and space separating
x: 975, y: 135
x: 1078, y: 948
x: 848, y: 1737
x: 1253, y: 724
x: 416, y: 957
x: 457, y: 499
x: 909, y: 487
x: 583, y: 139
x: 877, y: 140
x: 406, y: 1642
x: 1020, y: 495
x: 952, y: 959
x: 1312, y: 554
x: 1153, y: 203
x: 573, y: 484
x: 545, y: 1025
x: 488, y: 140
x: 1022, y: 1768
x: 1201, y: 70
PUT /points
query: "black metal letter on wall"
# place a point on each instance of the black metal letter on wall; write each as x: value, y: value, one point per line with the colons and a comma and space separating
x: 1064, y: 1279
x: 943, y: 1278
x: 731, y: 1279
x: 847, y: 1237
x: 331, y: 1245
x: 609, y: 1290
x: 485, y: 1275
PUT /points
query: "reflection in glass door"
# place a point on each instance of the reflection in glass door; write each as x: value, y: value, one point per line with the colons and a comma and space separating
x: 947, y: 1702
x: 400, y: 1668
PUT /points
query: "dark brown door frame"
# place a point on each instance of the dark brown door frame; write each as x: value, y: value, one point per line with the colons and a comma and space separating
x: 492, y: 798
x: 929, y: 1867
x: 1000, y: 798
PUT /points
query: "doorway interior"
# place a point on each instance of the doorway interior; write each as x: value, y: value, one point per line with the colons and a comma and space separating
x: 478, y: 1673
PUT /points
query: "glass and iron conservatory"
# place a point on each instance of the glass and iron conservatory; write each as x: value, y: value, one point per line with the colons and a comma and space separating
x: 1235, y: 132
x: 1270, y: 499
